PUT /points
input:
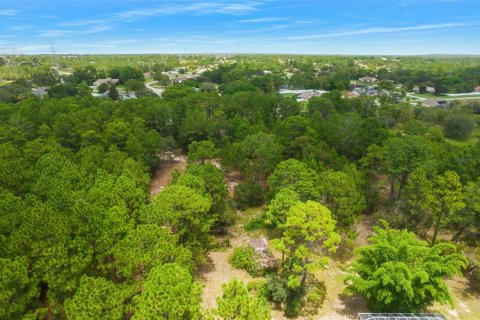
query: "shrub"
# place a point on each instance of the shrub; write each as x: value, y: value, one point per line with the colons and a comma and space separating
x: 254, y: 224
x: 245, y: 258
x: 304, y: 300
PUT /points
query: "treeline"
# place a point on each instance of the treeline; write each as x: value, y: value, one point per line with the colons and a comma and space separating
x: 81, y: 239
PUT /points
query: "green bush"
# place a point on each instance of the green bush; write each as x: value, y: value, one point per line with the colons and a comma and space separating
x: 304, y: 300
x: 254, y: 224
x: 245, y: 258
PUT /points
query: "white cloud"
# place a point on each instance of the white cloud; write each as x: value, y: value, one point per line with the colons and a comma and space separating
x: 8, y: 12
x: 95, y: 29
x: 54, y: 33
x: 262, y: 20
x: 380, y: 30
x: 196, y: 8
x: 17, y: 28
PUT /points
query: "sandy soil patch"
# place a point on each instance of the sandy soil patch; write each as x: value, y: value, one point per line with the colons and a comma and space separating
x: 169, y: 161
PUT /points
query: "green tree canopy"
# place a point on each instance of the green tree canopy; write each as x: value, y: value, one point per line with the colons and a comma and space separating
x: 201, y: 150
x: 342, y: 197
x: 186, y: 213
x: 279, y: 206
x: 237, y: 303
x: 398, y: 273
x: 168, y: 293
x: 458, y: 126
x: 297, y: 176
x: 308, y: 233
x: 17, y: 289
x: 145, y: 247
x: 96, y: 299
x: 261, y: 153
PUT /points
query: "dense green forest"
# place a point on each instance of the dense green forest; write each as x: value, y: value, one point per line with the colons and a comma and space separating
x: 81, y: 238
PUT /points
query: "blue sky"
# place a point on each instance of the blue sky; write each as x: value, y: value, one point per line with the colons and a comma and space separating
x: 230, y: 26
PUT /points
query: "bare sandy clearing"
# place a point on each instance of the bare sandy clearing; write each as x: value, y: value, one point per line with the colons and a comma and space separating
x: 169, y: 161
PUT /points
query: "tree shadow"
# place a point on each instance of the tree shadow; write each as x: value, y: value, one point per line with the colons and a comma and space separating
x: 205, y: 268
x: 353, y: 304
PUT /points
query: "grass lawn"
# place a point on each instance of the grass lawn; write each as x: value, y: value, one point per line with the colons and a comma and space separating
x: 289, y: 95
x: 157, y: 85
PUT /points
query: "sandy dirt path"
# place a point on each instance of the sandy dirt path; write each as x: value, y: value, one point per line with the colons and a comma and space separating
x: 169, y: 161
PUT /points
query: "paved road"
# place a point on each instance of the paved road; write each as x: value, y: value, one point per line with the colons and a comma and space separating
x: 432, y: 101
x: 157, y: 91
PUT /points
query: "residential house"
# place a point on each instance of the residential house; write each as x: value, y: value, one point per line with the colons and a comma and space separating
x: 477, y: 89
x: 369, y: 91
x: 107, y: 81
x: 416, y: 89
x: 184, y: 77
x: 368, y: 79
x: 350, y: 94
x: 430, y: 89
x: 308, y: 94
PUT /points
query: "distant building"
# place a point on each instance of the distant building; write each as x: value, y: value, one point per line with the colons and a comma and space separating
x: 366, y: 91
x: 416, y: 89
x: 477, y: 89
x: 308, y: 94
x: 147, y: 75
x: 368, y: 79
x: 181, y: 78
x: 430, y: 89
x: 107, y: 81
x: 371, y: 92
x: 40, y: 91
x: 350, y: 94
x: 126, y: 95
